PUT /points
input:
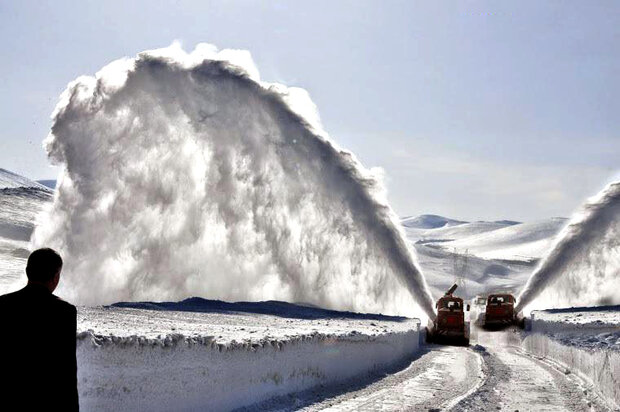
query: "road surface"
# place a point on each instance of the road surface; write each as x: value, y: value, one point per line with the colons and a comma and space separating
x: 491, y: 374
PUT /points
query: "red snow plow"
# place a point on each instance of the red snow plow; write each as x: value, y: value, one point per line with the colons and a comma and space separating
x: 500, y: 310
x: 449, y: 326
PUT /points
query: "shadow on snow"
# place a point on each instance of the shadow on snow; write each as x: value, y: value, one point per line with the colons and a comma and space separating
x: 271, y: 307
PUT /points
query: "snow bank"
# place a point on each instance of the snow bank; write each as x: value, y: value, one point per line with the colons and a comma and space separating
x: 583, y: 268
x: 585, y: 341
x: 133, y: 359
x: 184, y: 174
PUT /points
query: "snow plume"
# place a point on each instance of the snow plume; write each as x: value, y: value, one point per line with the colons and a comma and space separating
x: 583, y: 268
x: 185, y: 175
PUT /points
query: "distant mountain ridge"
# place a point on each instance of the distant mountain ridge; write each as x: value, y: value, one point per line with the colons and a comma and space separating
x: 10, y: 180
x: 429, y: 222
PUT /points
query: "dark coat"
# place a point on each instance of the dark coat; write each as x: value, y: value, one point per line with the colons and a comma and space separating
x: 37, y: 351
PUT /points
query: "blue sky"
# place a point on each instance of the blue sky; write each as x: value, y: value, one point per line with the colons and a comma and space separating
x: 476, y: 110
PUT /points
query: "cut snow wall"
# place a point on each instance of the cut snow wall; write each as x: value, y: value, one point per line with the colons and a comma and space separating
x: 178, y: 373
x: 600, y: 367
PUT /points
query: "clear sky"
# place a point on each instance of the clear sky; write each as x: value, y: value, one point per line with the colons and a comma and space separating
x: 476, y: 110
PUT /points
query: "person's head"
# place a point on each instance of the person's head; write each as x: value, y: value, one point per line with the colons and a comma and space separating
x: 44, y: 266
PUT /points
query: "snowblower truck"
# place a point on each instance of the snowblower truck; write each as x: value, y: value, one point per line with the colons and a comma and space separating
x: 449, y: 325
x: 500, y: 310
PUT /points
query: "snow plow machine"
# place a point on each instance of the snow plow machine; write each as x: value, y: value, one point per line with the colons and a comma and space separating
x: 500, y: 311
x: 449, y: 325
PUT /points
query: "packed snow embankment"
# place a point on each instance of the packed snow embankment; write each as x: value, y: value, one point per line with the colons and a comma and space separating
x: 585, y: 341
x: 136, y: 359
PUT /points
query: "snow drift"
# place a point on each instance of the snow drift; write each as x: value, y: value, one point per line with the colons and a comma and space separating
x: 583, y: 268
x: 186, y: 175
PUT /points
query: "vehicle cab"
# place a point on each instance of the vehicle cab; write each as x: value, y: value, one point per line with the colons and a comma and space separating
x: 450, y: 313
x: 500, y: 309
x: 449, y: 325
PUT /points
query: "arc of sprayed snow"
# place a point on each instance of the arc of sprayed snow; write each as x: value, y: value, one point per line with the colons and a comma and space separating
x: 114, y: 76
x: 583, y: 227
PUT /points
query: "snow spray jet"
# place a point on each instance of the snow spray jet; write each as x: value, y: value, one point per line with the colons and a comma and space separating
x: 185, y: 175
x: 583, y: 268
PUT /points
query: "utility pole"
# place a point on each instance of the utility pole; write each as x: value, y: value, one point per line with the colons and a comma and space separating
x: 459, y: 262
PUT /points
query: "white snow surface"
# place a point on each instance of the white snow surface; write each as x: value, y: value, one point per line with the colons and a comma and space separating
x: 480, y: 276
x: 232, y: 328
x: 586, y: 328
x: 12, y: 180
x: 429, y: 222
x: 21, y: 200
x: 135, y: 359
x: 450, y: 233
x: 523, y: 241
x: 489, y: 256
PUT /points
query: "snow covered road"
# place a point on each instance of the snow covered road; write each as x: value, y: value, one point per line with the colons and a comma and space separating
x: 517, y: 381
x: 492, y: 374
x: 435, y: 380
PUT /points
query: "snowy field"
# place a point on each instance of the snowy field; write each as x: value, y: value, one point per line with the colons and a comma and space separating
x: 21, y: 200
x: 501, y: 240
x: 489, y: 256
x: 139, y: 359
x: 585, y: 341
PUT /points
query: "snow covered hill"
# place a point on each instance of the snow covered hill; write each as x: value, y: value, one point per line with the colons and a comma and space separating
x: 525, y: 241
x: 503, y: 239
x: 429, y: 222
x: 21, y: 199
x: 480, y: 276
x: 12, y: 180
x: 489, y: 256
x: 451, y: 233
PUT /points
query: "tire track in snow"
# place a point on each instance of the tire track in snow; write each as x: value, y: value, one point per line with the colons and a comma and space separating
x: 440, y: 377
x: 519, y: 382
x: 579, y: 394
x: 531, y: 387
x: 496, y: 376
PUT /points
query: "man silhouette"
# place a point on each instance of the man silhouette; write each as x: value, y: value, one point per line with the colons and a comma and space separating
x: 37, y: 341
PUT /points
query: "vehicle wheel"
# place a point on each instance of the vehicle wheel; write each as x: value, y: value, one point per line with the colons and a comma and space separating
x: 466, y: 342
